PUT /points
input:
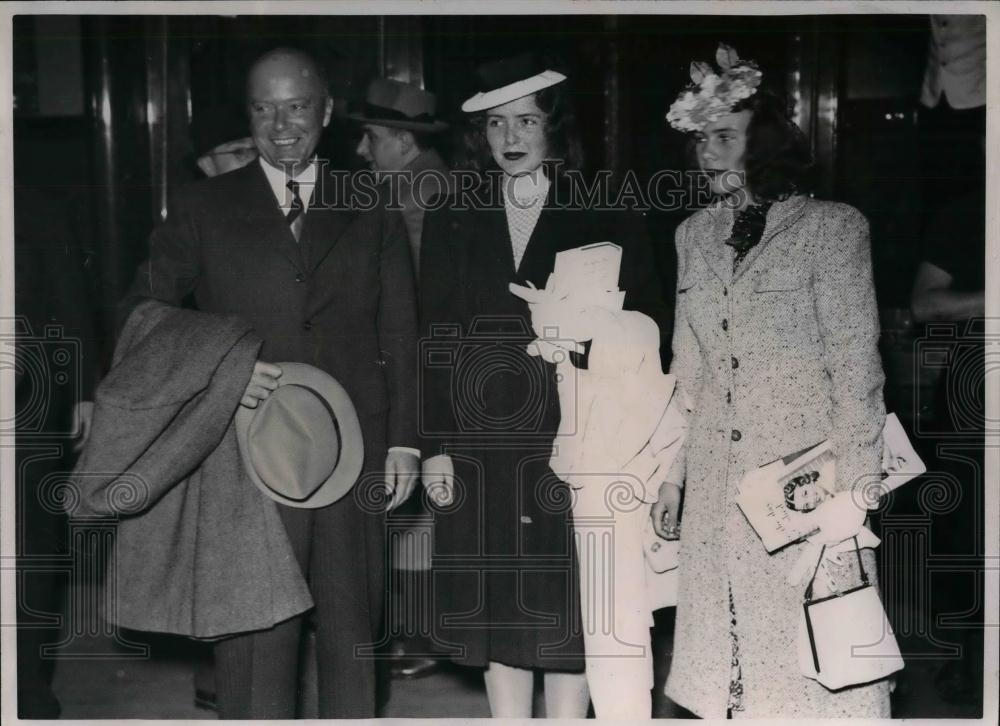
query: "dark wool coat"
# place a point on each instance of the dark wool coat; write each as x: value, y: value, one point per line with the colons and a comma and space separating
x: 505, y: 583
x: 775, y: 358
x: 198, y: 551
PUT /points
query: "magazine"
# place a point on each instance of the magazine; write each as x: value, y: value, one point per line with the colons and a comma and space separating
x: 776, y: 497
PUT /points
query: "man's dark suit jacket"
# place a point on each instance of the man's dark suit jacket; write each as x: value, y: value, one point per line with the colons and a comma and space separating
x: 341, y: 299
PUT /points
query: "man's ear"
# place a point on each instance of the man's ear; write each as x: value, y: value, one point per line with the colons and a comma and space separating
x: 406, y: 140
x: 327, y: 111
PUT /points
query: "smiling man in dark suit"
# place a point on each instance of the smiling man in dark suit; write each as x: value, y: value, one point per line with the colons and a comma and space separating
x: 330, y: 287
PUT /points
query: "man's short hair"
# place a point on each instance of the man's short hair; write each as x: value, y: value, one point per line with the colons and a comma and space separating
x: 322, y: 76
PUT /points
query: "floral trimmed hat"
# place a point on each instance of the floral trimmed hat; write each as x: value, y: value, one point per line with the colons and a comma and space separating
x: 713, y: 94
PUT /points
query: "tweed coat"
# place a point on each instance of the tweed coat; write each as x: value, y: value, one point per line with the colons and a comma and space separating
x: 504, y: 567
x: 198, y: 551
x: 776, y: 357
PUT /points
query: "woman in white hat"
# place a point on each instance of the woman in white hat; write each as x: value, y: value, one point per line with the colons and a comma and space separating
x: 776, y: 348
x: 506, y: 584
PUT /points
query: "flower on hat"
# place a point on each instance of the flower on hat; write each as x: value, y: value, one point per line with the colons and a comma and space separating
x: 713, y: 94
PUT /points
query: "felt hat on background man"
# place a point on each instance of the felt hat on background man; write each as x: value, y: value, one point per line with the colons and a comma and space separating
x: 398, y: 105
x: 302, y: 445
x: 509, y: 79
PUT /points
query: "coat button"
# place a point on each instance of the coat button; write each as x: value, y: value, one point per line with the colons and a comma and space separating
x: 736, y: 435
x: 736, y: 363
x: 307, y: 325
x: 300, y: 277
x: 725, y: 324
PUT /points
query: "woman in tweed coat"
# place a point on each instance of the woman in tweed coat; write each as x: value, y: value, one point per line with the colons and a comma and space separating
x: 775, y: 348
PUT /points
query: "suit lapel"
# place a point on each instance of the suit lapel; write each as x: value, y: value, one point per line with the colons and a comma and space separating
x: 326, y: 221
x: 272, y: 229
x: 539, y: 252
x: 718, y: 255
x: 498, y: 251
x: 780, y: 216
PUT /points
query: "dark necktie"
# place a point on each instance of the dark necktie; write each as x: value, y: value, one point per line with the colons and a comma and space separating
x: 297, y: 213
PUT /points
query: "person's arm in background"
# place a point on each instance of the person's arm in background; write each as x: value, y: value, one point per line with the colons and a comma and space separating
x: 933, y: 300
x: 227, y: 157
x: 945, y: 288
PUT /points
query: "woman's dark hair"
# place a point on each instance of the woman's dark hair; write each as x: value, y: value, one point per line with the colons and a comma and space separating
x: 561, y: 133
x: 778, y: 162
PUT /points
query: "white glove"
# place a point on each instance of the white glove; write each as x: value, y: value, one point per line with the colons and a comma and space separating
x: 803, y: 568
x: 438, y: 477
x: 838, y: 518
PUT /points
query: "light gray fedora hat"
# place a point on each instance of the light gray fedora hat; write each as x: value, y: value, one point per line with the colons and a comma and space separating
x: 302, y: 446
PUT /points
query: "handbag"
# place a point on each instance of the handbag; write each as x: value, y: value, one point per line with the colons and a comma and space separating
x: 845, y: 638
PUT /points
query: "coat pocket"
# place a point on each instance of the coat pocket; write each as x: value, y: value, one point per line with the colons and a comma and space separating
x: 778, y: 280
x: 685, y: 284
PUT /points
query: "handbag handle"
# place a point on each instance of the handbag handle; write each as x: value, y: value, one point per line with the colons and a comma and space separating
x: 861, y: 566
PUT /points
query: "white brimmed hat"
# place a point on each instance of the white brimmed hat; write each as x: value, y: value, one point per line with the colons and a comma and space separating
x: 302, y: 446
x: 510, y: 79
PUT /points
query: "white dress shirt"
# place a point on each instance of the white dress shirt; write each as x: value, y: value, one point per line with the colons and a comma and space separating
x: 278, y: 180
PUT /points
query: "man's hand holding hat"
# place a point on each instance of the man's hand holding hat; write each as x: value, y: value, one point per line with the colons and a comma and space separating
x: 262, y: 383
